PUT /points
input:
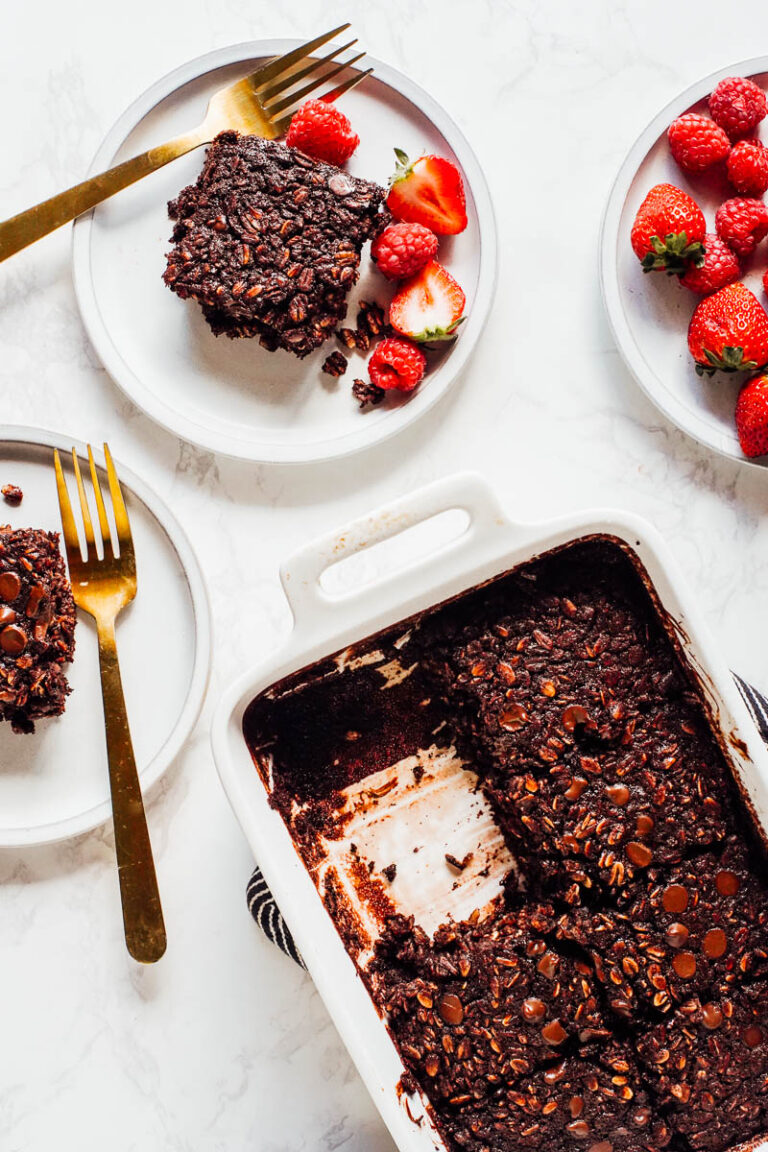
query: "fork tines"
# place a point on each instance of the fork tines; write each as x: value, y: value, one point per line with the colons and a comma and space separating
x: 120, y: 541
x: 275, y: 83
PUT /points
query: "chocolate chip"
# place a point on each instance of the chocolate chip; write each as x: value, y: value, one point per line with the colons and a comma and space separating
x: 12, y: 640
x: 340, y: 184
x: 533, y: 1009
x: 677, y: 935
x: 7, y: 616
x: 575, y: 788
x: 684, y: 964
x: 675, y: 898
x: 727, y: 883
x: 712, y: 1016
x: 553, y: 1032
x: 618, y: 794
x: 513, y: 718
x: 10, y: 585
x: 752, y: 1036
x: 639, y: 854
x: 576, y: 1106
x: 644, y: 825
x: 715, y: 943
x: 547, y: 966
x: 451, y: 1009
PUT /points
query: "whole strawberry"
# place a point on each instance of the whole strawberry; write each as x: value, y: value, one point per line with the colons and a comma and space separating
x: 668, y: 230
x: 737, y: 105
x: 729, y: 331
x: 720, y: 267
x: 752, y: 417
x: 396, y: 363
x: 696, y: 142
x: 401, y: 250
x: 742, y: 223
x: 323, y: 132
x: 747, y: 167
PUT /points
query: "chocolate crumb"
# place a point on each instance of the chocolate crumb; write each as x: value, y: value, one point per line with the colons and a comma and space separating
x: 389, y: 872
x: 459, y: 865
x: 347, y: 337
x: 335, y: 364
x: 12, y: 494
x: 366, y: 393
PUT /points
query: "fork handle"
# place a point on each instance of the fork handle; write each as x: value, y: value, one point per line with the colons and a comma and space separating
x: 142, y: 911
x: 36, y: 222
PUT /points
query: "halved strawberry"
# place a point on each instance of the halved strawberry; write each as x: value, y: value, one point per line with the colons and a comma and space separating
x: 428, y: 191
x: 429, y: 307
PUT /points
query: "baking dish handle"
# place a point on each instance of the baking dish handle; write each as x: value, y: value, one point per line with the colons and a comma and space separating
x: 301, y: 574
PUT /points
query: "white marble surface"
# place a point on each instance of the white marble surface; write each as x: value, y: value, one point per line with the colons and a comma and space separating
x: 225, y: 1045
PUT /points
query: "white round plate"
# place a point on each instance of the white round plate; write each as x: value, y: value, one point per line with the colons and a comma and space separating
x: 55, y: 784
x: 232, y: 396
x: 649, y: 314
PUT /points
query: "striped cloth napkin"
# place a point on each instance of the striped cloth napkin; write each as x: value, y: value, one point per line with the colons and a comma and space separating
x: 269, y: 918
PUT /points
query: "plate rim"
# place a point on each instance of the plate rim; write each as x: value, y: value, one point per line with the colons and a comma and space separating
x: 610, y: 287
x: 228, y: 444
x: 58, y: 830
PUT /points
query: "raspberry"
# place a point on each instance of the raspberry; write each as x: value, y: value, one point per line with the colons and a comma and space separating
x: 696, y: 142
x: 402, y: 250
x: 742, y: 223
x: 737, y: 105
x: 397, y: 364
x: 747, y: 167
x: 323, y: 132
x: 720, y: 267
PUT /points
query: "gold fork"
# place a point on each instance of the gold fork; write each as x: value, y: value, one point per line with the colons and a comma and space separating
x: 260, y: 104
x: 102, y: 588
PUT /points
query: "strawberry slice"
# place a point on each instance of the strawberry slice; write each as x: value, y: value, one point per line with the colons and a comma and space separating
x: 429, y: 307
x: 428, y: 191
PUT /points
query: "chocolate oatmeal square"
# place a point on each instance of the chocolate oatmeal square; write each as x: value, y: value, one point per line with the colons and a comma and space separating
x: 701, y: 924
x: 708, y: 1066
x: 37, y: 627
x: 597, y: 823
x: 482, y: 1005
x: 268, y: 242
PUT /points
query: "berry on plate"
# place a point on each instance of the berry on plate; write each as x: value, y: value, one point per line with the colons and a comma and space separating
x: 323, y: 132
x: 747, y: 167
x: 720, y: 267
x: 696, y: 142
x: 668, y: 230
x: 397, y: 364
x: 742, y: 223
x: 737, y: 105
x: 429, y: 307
x: 401, y: 250
x: 752, y: 417
x: 729, y: 331
x: 428, y: 191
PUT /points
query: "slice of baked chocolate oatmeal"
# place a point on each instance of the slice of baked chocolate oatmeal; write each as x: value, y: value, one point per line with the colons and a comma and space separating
x: 268, y: 242
x: 37, y: 627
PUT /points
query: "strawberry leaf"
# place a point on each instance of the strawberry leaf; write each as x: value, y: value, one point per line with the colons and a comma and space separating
x: 731, y: 359
x: 673, y: 254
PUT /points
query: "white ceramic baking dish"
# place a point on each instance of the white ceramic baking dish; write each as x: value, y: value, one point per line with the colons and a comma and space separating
x: 323, y: 624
